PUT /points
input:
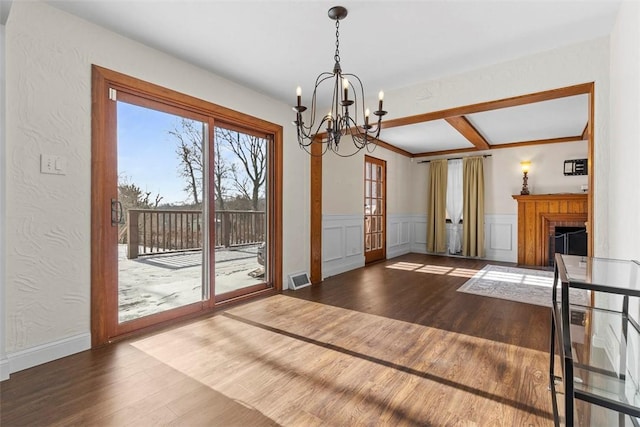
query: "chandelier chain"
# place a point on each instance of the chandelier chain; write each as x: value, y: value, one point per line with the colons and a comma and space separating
x: 336, y: 57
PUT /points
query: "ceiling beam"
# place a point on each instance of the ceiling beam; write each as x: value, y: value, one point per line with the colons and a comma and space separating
x: 393, y: 148
x: 444, y: 152
x: 466, y: 129
x: 585, y: 132
x: 515, y: 101
x: 538, y: 142
x: 505, y: 145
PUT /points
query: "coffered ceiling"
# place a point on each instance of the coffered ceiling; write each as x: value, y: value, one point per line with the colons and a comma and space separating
x: 561, y: 119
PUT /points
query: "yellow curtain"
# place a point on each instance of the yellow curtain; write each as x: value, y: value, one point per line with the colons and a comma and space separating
x: 437, y: 213
x: 473, y: 207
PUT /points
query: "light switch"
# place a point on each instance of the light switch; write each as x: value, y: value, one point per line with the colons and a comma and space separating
x: 52, y: 164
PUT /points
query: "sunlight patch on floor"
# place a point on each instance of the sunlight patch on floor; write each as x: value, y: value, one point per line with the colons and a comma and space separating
x: 433, y: 269
x: 526, y: 279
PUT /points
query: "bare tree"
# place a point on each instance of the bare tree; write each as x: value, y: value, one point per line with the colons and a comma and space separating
x: 132, y: 197
x: 250, y: 150
x: 190, y: 135
x: 220, y: 176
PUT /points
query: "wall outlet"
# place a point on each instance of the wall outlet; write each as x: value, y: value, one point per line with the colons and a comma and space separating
x: 52, y: 164
x: 584, y: 188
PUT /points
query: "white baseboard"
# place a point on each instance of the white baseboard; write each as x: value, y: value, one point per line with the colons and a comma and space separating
x: 4, y: 369
x: 396, y: 251
x: 34, y: 356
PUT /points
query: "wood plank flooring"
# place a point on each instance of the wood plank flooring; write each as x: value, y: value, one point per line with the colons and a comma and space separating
x: 390, y: 344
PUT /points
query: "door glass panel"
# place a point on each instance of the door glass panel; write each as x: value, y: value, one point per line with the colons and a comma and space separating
x: 240, y: 183
x: 160, y: 194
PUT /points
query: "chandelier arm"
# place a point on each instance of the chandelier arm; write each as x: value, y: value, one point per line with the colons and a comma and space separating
x: 360, y: 88
x: 310, y: 136
x: 359, y: 138
x: 319, y: 80
x: 325, y: 148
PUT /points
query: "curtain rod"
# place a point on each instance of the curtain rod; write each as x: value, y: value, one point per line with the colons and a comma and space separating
x: 452, y: 158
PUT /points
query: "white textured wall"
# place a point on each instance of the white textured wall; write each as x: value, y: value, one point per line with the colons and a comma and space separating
x: 399, y: 178
x: 624, y: 146
x: 49, y: 56
x: 343, y: 182
x: 580, y: 63
x: 624, y: 183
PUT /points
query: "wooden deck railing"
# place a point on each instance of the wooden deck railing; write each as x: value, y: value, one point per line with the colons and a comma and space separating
x: 153, y: 231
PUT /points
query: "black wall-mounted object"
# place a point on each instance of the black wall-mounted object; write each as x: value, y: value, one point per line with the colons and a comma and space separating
x: 575, y: 167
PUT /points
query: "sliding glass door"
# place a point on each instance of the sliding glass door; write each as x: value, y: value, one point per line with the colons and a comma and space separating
x: 185, y: 205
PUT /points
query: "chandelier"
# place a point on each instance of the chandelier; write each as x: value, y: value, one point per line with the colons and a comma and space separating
x: 340, y: 120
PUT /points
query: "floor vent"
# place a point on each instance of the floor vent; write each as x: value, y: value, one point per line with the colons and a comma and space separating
x: 299, y: 280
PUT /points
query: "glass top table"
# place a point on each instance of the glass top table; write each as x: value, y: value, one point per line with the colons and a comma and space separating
x: 602, y: 274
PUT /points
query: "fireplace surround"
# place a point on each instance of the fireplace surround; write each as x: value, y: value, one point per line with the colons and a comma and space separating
x: 538, y: 217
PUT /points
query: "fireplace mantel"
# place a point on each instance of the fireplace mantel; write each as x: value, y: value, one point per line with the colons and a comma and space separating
x: 538, y: 214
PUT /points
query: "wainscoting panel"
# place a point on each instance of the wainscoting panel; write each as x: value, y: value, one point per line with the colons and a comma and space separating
x: 342, y: 243
x: 501, y: 237
x: 332, y: 243
x: 398, y: 235
x: 419, y: 234
x: 343, y: 237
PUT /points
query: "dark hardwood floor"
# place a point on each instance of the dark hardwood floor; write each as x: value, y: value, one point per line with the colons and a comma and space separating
x: 389, y: 344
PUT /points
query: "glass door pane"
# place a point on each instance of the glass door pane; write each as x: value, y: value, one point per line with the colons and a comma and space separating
x: 240, y: 183
x: 162, y: 238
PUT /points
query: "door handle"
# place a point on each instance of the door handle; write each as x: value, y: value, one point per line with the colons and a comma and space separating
x: 117, y: 214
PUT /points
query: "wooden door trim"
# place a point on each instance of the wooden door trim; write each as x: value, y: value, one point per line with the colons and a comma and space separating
x: 591, y: 170
x: 101, y: 130
x: 103, y: 172
x: 315, y: 237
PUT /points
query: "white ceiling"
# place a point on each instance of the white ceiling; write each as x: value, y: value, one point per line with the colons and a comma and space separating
x: 274, y: 46
x: 539, y: 121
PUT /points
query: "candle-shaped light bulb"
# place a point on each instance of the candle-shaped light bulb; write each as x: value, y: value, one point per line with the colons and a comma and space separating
x: 329, y: 119
x: 380, y: 98
x: 299, y: 95
x: 366, y: 117
x: 345, y: 86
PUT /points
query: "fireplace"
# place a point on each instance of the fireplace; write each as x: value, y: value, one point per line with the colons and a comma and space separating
x: 569, y: 240
x: 565, y: 234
